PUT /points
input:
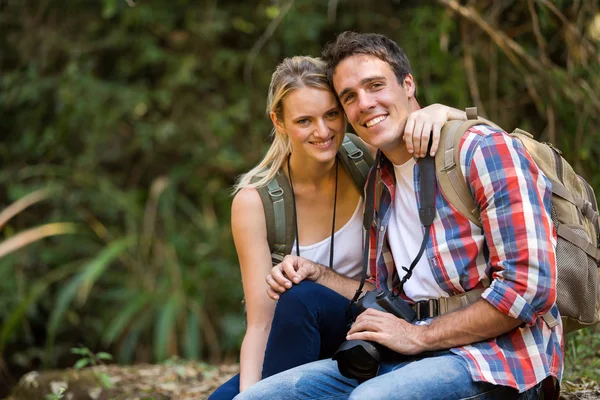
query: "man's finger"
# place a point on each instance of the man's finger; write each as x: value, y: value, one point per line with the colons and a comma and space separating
x: 277, y: 274
x: 290, y: 270
x: 273, y: 295
x: 274, y: 285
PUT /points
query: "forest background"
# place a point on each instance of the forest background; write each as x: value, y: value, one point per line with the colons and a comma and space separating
x: 124, y: 124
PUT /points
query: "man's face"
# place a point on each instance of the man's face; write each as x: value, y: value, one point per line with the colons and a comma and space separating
x: 375, y: 103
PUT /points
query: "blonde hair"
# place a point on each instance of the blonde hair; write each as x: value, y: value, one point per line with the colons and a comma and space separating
x: 293, y: 73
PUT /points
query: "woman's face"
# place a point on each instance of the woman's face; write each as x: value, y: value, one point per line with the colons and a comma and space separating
x: 314, y: 122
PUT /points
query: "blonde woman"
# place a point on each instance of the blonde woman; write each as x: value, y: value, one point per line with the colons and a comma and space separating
x: 308, y: 322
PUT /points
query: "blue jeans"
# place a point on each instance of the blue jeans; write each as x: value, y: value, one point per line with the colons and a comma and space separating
x: 309, y: 324
x: 442, y: 375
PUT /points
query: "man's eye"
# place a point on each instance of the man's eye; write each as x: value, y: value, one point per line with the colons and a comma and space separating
x: 376, y: 85
x: 348, y: 98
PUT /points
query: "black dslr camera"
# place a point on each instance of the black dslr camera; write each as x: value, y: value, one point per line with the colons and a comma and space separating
x: 360, y: 359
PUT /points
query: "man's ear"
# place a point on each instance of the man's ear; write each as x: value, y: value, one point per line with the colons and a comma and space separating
x: 278, y: 124
x: 409, y: 85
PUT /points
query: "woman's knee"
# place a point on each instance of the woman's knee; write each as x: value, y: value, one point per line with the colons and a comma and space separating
x: 228, y: 390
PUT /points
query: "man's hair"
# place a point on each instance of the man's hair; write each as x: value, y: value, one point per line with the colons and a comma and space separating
x: 348, y: 44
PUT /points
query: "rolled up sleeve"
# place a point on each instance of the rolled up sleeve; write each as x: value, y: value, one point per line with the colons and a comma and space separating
x: 514, y: 198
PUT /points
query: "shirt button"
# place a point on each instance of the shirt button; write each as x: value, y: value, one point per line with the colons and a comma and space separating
x: 381, y: 229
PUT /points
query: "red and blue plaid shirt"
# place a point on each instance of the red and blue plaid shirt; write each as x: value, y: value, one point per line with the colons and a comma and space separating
x: 514, y: 254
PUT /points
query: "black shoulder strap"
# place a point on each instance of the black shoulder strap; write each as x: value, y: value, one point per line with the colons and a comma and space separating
x: 357, y: 159
x: 277, y: 202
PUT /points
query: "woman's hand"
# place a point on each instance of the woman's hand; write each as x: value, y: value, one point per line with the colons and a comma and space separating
x: 424, y: 123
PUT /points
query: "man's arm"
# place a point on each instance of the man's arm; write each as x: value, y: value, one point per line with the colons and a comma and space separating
x: 514, y: 199
x: 294, y: 269
x: 477, y: 322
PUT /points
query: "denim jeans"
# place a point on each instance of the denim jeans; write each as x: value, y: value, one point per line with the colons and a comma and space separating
x: 442, y: 375
x: 309, y: 324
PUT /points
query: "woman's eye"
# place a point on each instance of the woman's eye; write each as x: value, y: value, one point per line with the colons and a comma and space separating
x: 302, y: 121
x: 333, y: 114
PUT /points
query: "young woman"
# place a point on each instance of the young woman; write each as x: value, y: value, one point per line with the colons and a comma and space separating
x: 308, y: 131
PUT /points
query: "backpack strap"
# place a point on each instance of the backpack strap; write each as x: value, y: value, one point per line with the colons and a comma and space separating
x: 447, y: 163
x: 357, y: 159
x: 277, y: 202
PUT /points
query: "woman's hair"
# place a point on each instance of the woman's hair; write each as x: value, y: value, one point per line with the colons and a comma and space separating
x: 293, y: 73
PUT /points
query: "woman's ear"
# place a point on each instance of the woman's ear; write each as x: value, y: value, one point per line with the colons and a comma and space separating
x: 278, y: 124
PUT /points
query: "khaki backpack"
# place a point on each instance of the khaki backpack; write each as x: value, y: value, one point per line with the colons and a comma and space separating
x: 277, y: 201
x: 574, y: 214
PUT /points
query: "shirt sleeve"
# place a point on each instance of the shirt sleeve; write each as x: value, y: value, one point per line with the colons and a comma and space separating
x: 514, y: 198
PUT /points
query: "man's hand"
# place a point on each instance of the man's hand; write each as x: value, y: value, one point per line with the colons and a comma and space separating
x: 388, y: 330
x: 292, y: 270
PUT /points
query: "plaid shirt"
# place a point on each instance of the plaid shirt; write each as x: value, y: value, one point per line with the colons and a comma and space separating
x: 515, y: 250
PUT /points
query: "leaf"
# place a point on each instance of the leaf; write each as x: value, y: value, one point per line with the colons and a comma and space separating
x: 90, y: 272
x: 104, y: 356
x: 192, y: 337
x: 38, y: 289
x: 84, y: 362
x: 22, y: 203
x: 32, y: 235
x: 125, y: 317
x: 165, y: 326
x: 80, y: 351
x: 106, y: 381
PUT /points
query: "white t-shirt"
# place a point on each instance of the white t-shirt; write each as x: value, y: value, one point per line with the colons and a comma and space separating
x: 405, y: 234
x: 347, y: 254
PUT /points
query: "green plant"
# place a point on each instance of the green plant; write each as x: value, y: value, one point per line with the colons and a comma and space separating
x: 582, y: 356
x: 57, y: 395
x: 89, y: 358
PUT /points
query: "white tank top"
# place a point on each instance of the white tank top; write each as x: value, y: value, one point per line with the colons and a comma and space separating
x: 347, y: 256
x: 405, y: 234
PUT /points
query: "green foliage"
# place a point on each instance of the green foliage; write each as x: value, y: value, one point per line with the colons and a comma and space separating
x: 582, y: 356
x: 89, y: 358
x: 140, y: 114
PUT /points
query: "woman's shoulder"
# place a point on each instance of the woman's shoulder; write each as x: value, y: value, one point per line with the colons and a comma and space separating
x: 246, y: 200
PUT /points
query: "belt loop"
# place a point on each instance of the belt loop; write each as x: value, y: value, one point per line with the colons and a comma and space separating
x: 443, y: 306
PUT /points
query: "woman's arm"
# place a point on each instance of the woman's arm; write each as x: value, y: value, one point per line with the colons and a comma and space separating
x: 421, y: 123
x: 249, y: 230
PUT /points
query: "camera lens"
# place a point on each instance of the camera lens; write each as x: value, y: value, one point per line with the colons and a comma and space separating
x: 358, y: 359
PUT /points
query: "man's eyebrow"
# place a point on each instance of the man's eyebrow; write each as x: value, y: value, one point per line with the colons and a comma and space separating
x: 363, y: 82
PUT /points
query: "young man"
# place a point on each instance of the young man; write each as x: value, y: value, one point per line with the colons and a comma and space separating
x: 498, y: 345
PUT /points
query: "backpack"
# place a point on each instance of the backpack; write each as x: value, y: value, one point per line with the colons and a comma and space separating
x: 277, y: 201
x: 574, y: 214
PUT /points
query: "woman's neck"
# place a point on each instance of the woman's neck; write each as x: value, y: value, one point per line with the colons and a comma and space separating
x: 311, y: 172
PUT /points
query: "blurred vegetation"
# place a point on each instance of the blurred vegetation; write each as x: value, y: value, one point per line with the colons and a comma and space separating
x: 133, y: 118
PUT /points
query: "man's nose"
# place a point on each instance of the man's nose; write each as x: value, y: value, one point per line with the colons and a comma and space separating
x: 365, y: 102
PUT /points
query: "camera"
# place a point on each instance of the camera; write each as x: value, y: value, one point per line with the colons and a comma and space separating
x: 360, y: 359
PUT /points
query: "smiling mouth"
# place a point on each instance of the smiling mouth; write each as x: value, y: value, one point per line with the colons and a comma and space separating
x: 375, y: 121
x: 322, y: 144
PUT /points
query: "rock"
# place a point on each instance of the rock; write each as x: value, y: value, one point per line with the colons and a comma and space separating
x: 174, y: 380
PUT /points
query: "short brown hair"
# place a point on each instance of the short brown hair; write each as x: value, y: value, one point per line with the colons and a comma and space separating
x: 348, y: 44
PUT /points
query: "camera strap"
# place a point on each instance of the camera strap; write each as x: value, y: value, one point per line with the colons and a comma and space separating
x: 426, y: 215
x: 426, y: 210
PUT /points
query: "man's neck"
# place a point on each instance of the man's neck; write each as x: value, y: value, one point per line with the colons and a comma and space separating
x: 399, y: 154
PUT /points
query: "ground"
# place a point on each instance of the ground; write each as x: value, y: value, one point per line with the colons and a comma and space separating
x: 173, y: 380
